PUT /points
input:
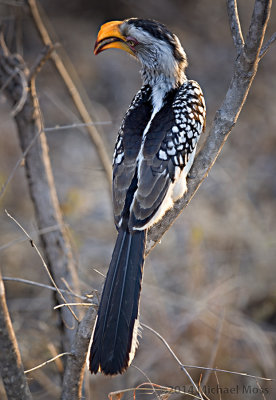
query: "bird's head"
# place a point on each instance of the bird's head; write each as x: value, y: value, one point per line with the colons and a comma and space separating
x: 158, y: 50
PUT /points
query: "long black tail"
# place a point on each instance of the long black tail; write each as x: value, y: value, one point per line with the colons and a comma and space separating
x: 115, y: 335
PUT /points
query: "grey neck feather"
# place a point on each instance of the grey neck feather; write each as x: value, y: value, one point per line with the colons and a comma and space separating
x: 155, y: 78
x: 160, y: 67
x: 163, y: 61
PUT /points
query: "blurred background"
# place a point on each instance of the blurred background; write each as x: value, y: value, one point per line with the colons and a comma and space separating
x: 209, y: 287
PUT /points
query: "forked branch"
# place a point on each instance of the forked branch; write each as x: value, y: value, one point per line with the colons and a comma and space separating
x: 245, y: 68
x: 235, y: 25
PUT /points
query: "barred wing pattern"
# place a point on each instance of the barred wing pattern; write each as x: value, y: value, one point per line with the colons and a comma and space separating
x: 189, y: 112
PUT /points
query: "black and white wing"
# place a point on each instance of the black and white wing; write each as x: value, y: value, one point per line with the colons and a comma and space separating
x: 127, y: 147
x: 167, y: 155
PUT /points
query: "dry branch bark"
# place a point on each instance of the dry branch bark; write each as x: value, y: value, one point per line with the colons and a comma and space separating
x: 11, y: 368
x: 40, y: 178
x: 75, y: 366
x: 235, y: 26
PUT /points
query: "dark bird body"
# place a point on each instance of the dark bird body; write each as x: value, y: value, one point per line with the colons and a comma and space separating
x: 153, y: 154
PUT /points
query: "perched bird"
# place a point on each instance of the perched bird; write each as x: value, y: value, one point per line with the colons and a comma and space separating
x: 153, y: 154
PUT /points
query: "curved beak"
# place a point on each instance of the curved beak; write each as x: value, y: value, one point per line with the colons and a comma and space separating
x: 110, y: 37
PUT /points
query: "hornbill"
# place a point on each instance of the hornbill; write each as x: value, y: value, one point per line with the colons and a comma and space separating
x: 154, y: 152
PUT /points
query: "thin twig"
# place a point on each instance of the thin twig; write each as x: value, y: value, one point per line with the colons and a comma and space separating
x: 28, y: 282
x: 46, y: 362
x: 235, y: 25
x: 200, y: 388
x: 174, y: 356
x: 141, y: 389
x: 10, y: 78
x: 99, y: 272
x: 74, y: 304
x: 43, y: 262
x: 88, y: 124
x: 261, y: 390
x: 216, y: 375
x: 230, y: 372
x: 68, y: 286
x: 47, y: 383
x: 203, y: 368
x: 76, y: 125
x: 148, y: 379
x: 215, y: 347
x: 23, y: 238
x: 40, y: 61
x: 54, y: 352
x: 24, y: 87
x: 265, y: 48
x: 94, y: 135
x: 5, y: 185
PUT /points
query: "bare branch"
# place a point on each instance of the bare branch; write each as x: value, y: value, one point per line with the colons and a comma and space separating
x: 94, y: 135
x: 230, y: 372
x: 245, y: 69
x: 74, y: 304
x: 11, y: 369
x: 75, y: 366
x: 261, y: 391
x: 42, y: 285
x: 75, y: 125
x: 175, y: 357
x: 257, y: 30
x: 27, y: 371
x: 235, y: 26
x: 265, y: 48
x: 24, y: 93
x: 148, y: 379
x: 144, y: 390
x: 40, y: 61
x: 216, y: 375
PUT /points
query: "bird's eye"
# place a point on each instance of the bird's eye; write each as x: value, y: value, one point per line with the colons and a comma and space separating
x: 131, y: 41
